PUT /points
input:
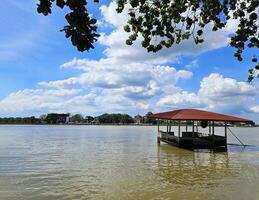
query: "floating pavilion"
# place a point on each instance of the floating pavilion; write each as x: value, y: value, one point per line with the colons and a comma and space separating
x: 195, y: 138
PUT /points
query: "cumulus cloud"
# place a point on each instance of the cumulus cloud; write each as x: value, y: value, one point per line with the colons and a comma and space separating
x: 116, y: 48
x: 184, y: 98
x: 225, y: 93
x: 216, y: 93
x: 30, y: 100
x: 127, y: 87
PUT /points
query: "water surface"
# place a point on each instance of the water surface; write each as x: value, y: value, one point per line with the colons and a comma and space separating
x: 121, y: 162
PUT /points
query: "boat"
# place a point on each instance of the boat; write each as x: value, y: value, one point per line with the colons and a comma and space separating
x: 202, y: 134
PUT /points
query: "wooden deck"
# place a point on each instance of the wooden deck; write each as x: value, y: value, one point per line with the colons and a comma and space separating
x: 190, y: 140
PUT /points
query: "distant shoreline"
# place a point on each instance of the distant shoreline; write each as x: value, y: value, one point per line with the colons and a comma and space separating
x: 74, y: 124
x: 84, y: 124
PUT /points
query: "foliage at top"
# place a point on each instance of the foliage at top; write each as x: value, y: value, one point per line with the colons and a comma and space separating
x: 81, y: 27
x: 164, y: 23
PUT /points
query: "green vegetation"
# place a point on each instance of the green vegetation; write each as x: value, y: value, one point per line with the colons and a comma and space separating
x: 76, y: 118
x: 148, y: 120
x: 55, y: 118
x: 20, y: 120
x: 115, y: 119
x: 164, y: 23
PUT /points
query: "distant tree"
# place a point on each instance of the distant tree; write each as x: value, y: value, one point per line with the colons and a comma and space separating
x: 19, y: 120
x: 126, y: 119
x: 149, y: 120
x: 51, y: 118
x: 89, y: 119
x: 76, y: 118
x: 43, y: 117
x: 164, y: 23
x: 115, y: 119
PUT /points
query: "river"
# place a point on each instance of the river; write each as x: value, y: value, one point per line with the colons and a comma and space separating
x: 121, y: 163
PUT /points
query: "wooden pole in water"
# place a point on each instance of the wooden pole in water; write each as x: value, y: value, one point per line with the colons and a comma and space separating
x: 213, y: 143
x: 167, y: 126
x: 179, y: 128
x: 226, y: 132
x: 209, y: 127
x: 213, y: 128
x: 192, y: 128
x: 158, y: 134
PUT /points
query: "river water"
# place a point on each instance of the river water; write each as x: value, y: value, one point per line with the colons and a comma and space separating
x: 121, y: 162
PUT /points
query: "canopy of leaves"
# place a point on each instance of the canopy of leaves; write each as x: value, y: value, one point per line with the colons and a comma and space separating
x: 164, y: 23
x: 81, y: 28
x: 76, y: 118
x: 115, y: 118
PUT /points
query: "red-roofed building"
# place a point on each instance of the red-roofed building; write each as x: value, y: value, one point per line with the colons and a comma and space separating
x: 204, y: 138
x: 138, y: 119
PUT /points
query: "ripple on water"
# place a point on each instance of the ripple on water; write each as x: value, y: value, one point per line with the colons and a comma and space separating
x: 58, y: 162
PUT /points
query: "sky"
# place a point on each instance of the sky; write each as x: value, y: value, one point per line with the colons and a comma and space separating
x: 41, y: 72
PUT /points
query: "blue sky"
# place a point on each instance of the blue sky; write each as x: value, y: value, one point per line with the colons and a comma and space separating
x: 42, y: 72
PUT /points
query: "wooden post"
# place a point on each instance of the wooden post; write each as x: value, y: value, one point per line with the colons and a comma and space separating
x: 158, y: 134
x: 197, y: 127
x: 179, y: 128
x: 213, y: 143
x: 192, y: 128
x: 170, y: 127
x: 213, y: 128
x: 166, y: 126
x: 186, y: 126
x: 209, y: 127
x: 226, y: 129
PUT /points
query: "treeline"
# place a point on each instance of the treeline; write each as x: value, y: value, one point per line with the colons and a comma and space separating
x: 56, y: 118
x: 114, y: 119
x: 20, y: 120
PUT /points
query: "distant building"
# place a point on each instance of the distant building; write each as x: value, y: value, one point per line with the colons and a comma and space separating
x: 62, y: 118
x: 138, y: 119
x: 56, y: 118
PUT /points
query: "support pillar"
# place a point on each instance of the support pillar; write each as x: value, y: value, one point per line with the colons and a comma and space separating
x: 213, y: 129
x: 166, y: 126
x: 179, y: 128
x: 209, y: 127
x: 193, y: 128
x: 226, y: 129
x: 158, y: 132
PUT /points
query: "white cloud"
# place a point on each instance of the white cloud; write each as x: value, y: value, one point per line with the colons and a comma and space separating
x: 30, y: 100
x: 132, y: 77
x: 255, y: 109
x: 192, y: 64
x: 181, y: 98
x: 119, y: 52
x: 219, y: 92
x: 215, y: 93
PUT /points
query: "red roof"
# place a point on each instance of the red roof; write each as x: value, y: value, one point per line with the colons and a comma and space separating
x: 194, y: 114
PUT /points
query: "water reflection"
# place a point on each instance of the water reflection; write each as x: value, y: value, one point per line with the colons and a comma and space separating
x: 185, y: 167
